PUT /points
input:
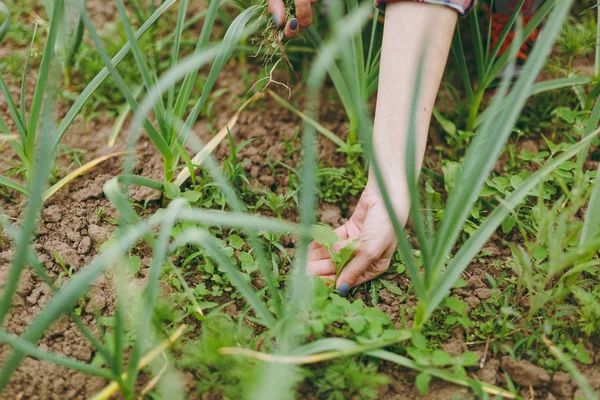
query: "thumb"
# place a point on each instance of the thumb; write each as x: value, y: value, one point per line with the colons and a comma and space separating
x: 352, y: 273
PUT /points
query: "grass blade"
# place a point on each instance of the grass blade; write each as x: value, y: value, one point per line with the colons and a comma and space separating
x: 488, y: 143
x: 174, y: 57
x: 478, y: 44
x: 14, y: 111
x: 120, y: 121
x: 14, y: 185
x: 188, y: 83
x: 42, y: 79
x: 504, y: 34
x: 471, y: 247
x: 24, y: 81
x: 103, y: 74
x: 43, y: 163
x: 570, y: 366
x: 160, y: 251
x: 461, y: 62
x: 153, y: 133
x: 5, y: 26
x: 140, y: 60
x: 111, y: 389
x: 228, y: 45
x: 533, y: 24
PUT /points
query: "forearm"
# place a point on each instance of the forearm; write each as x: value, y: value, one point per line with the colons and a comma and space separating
x: 411, y: 29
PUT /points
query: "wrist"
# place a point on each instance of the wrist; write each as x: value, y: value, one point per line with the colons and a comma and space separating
x: 397, y: 192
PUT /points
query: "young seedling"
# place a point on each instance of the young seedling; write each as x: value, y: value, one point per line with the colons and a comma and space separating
x: 327, y: 238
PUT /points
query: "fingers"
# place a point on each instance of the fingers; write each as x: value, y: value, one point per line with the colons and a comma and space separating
x: 352, y: 273
x: 303, y: 18
x: 277, y: 9
x: 321, y: 268
x: 318, y: 254
x: 291, y: 28
x: 303, y: 12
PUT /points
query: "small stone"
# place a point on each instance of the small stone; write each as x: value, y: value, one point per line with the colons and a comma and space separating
x: 85, y: 245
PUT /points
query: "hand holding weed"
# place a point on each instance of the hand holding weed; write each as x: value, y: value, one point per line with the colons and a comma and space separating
x: 370, y: 224
x: 302, y: 19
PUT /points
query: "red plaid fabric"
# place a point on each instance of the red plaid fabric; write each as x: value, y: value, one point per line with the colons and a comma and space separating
x: 462, y: 6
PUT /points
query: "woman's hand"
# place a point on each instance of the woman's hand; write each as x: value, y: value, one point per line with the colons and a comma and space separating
x: 370, y: 224
x: 302, y: 19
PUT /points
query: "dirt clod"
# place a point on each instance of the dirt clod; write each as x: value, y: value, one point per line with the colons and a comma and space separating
x: 525, y: 373
x: 562, y: 384
x: 455, y: 347
x: 489, y: 372
x: 483, y: 293
x: 85, y: 245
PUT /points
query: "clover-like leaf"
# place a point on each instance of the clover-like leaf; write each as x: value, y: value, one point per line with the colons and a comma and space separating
x: 326, y: 237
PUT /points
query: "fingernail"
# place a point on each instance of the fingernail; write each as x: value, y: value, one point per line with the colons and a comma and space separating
x: 276, y: 20
x: 344, y: 289
x: 294, y: 24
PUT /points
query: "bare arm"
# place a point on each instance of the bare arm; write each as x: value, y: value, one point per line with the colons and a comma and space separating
x: 410, y: 28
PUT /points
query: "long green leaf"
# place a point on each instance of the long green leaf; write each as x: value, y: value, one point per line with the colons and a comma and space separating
x: 43, y: 162
x: 487, y: 145
x: 14, y: 185
x: 188, y: 83
x: 228, y: 45
x: 504, y: 34
x: 24, y: 83
x: 5, y: 26
x: 543, y: 87
x: 89, y: 90
x: 532, y: 25
x: 576, y: 374
x: 153, y: 133
x: 174, y: 58
x: 42, y: 79
x: 142, y: 64
x: 471, y: 247
x: 14, y: 111
x: 150, y: 297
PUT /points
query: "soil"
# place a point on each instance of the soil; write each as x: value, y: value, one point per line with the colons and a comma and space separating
x: 78, y: 219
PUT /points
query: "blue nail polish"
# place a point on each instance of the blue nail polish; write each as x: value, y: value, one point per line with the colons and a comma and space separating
x: 294, y: 24
x: 344, y: 289
x: 276, y: 20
